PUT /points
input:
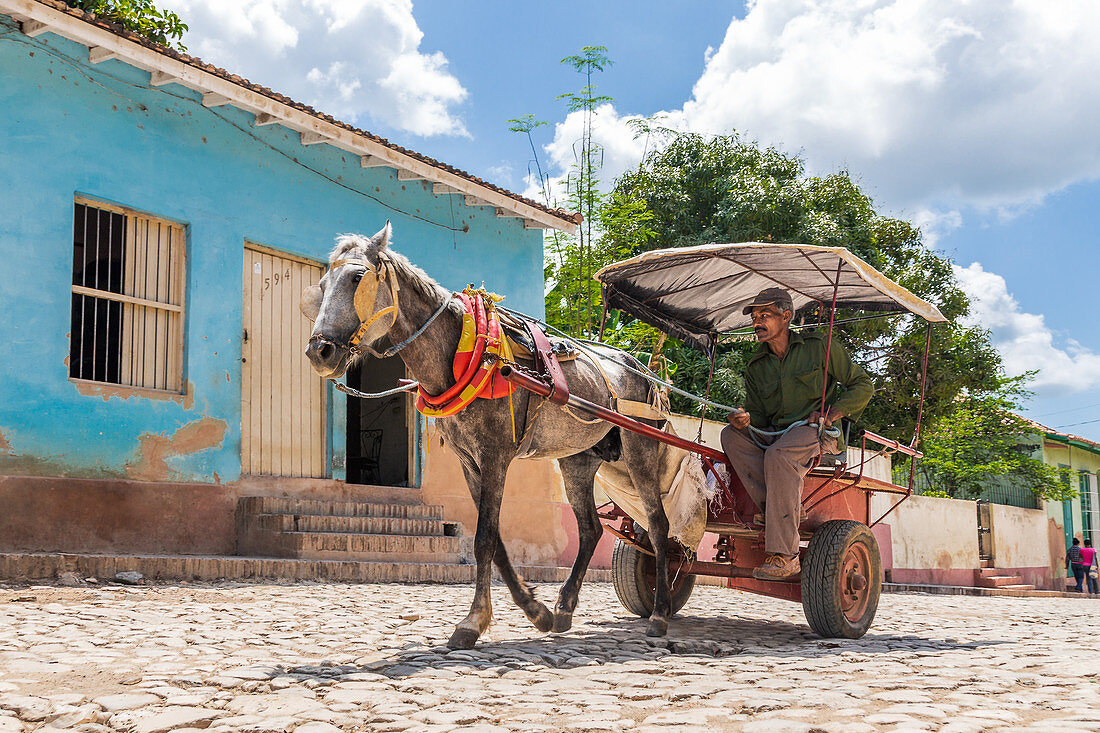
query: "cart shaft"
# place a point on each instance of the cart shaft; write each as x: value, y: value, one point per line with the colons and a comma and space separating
x: 589, y: 408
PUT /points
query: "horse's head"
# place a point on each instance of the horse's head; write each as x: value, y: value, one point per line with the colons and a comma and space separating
x: 354, y: 305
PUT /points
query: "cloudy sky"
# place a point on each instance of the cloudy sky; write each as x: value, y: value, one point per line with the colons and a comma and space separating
x: 977, y: 119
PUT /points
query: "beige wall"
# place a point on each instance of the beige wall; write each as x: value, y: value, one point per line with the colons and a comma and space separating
x: 536, y: 522
x: 1019, y: 537
x: 933, y: 540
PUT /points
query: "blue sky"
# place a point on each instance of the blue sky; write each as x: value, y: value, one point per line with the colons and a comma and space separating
x: 977, y: 121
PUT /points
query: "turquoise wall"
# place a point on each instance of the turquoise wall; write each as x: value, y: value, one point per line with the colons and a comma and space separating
x: 72, y: 128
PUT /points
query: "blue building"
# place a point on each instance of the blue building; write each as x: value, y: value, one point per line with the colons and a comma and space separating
x: 159, y: 219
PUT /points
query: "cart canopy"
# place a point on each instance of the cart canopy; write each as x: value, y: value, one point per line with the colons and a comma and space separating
x: 694, y: 293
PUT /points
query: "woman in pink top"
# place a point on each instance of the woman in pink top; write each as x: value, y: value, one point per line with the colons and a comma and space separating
x: 1088, y: 559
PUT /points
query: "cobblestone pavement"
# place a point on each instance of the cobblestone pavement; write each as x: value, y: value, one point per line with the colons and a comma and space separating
x: 315, y: 658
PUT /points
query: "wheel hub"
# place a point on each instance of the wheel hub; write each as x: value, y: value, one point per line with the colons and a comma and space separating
x: 854, y: 594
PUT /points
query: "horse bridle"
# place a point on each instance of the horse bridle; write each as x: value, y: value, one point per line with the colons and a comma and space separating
x: 366, y: 293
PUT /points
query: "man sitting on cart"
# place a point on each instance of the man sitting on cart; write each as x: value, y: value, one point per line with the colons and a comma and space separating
x: 783, y: 382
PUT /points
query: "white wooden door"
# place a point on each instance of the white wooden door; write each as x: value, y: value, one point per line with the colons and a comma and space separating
x: 283, y: 414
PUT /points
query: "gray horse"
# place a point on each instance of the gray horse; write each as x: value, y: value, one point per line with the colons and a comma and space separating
x: 352, y: 316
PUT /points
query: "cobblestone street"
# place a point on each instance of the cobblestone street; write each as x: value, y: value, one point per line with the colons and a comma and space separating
x: 315, y: 658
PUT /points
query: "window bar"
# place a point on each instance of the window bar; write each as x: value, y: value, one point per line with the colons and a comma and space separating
x: 107, y: 305
x: 131, y: 327
x: 83, y: 299
x: 95, y: 301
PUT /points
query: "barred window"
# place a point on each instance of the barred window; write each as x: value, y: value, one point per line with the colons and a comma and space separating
x: 127, y: 306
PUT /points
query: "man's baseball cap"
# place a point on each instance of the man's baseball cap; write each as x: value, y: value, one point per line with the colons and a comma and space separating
x: 778, y: 297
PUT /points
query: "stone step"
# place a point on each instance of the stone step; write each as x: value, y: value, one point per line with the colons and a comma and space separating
x: 318, y: 507
x: 47, y: 566
x: 37, y: 566
x: 369, y: 547
x: 350, y: 525
x: 1017, y: 587
x: 1000, y: 581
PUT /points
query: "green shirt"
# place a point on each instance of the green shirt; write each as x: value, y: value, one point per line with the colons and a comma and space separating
x: 783, y: 391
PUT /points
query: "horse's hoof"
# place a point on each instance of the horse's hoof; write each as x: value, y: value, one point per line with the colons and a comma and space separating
x: 562, y: 622
x: 543, y: 620
x: 657, y: 627
x: 463, y: 639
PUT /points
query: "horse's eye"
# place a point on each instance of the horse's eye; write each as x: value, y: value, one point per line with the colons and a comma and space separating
x: 356, y: 278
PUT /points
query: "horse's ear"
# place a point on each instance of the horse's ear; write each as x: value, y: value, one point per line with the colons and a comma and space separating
x: 381, y: 240
x: 310, y: 304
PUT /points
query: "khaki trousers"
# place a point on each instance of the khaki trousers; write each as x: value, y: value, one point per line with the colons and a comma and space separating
x: 773, y: 477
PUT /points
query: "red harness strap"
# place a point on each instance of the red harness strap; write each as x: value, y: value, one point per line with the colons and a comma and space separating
x: 545, y: 358
x: 481, y: 335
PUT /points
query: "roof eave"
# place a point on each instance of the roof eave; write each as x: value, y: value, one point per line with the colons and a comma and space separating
x: 103, y: 44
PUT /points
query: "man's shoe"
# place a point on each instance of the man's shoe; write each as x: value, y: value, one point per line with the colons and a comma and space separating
x: 778, y: 567
x: 759, y: 518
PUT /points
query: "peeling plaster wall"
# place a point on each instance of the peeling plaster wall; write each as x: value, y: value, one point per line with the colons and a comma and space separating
x: 99, y: 130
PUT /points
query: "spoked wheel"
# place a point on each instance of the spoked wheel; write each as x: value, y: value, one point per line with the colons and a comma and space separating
x: 841, y: 579
x: 635, y: 578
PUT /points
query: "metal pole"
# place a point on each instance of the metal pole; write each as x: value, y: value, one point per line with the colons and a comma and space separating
x: 710, y: 376
x: 828, y: 348
x: 920, y: 406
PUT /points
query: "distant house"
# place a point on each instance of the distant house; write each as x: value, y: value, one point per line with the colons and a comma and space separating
x: 1079, y: 460
x: 160, y: 218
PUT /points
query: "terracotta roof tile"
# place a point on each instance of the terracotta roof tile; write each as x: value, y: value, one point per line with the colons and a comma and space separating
x: 1068, y: 436
x: 118, y: 30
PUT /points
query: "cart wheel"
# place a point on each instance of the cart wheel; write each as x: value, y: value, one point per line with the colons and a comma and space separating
x: 841, y: 579
x: 633, y: 573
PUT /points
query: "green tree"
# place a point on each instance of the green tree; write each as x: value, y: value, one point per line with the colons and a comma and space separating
x: 982, y: 437
x: 140, y: 16
x: 573, y: 300
x: 701, y: 189
x: 525, y: 125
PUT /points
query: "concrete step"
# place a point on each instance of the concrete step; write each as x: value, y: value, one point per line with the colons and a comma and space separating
x: 317, y: 507
x: 37, y: 566
x: 351, y: 525
x: 988, y: 571
x: 1017, y: 587
x: 966, y: 590
x: 47, y: 566
x: 1000, y: 581
x: 369, y: 547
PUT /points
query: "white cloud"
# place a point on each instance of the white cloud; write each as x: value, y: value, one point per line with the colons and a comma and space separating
x: 938, y: 106
x: 358, y: 60
x: 988, y: 103
x: 621, y: 150
x: 1023, y: 339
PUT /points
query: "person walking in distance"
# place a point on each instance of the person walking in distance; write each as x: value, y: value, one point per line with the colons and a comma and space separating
x: 1092, y: 567
x: 783, y: 383
x: 1075, y: 563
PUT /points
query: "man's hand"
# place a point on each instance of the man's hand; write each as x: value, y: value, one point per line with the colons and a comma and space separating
x: 739, y: 419
x: 831, y: 416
